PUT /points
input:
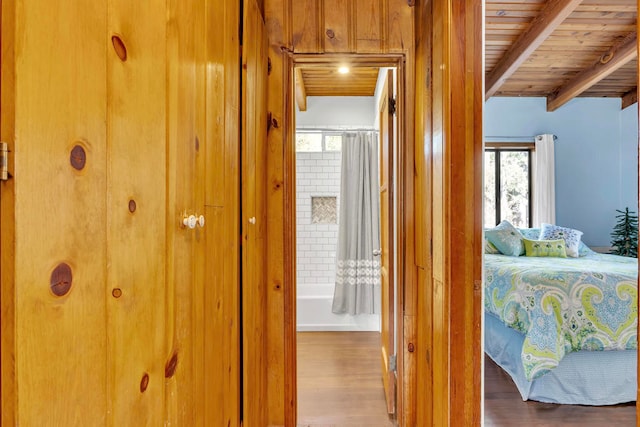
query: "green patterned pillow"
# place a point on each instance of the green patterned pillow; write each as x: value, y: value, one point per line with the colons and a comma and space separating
x: 551, y: 248
x: 506, y: 238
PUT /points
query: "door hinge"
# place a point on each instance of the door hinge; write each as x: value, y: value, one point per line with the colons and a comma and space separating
x: 392, y: 106
x: 4, y: 161
x: 393, y: 363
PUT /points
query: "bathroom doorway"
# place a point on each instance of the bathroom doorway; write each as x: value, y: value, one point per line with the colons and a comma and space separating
x: 345, y: 300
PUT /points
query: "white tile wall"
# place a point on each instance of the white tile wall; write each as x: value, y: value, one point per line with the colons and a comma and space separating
x: 317, y: 174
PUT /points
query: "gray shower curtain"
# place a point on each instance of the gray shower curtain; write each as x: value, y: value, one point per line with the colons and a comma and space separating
x: 357, y: 288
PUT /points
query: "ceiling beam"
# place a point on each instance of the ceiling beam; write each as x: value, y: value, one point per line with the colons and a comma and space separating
x: 630, y: 98
x: 301, y: 93
x: 553, y: 14
x: 615, y: 58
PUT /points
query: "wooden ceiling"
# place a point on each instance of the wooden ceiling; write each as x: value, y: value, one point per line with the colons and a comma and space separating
x: 327, y: 81
x: 558, y: 49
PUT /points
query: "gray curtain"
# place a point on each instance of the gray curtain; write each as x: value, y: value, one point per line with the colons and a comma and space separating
x: 357, y: 288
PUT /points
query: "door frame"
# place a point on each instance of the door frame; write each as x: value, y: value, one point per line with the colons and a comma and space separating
x: 403, y: 200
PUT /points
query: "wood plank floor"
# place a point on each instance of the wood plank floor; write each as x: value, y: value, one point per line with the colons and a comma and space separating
x: 503, y: 407
x: 340, y: 385
x: 340, y: 380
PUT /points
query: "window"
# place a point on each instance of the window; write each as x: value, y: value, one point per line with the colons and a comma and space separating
x: 507, y: 186
x: 318, y: 141
x: 309, y: 142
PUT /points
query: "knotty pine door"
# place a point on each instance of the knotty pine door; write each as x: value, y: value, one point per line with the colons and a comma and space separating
x: 122, y: 119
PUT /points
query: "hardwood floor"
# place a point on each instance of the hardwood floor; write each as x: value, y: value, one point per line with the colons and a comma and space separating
x: 340, y: 385
x: 340, y: 380
x: 503, y: 407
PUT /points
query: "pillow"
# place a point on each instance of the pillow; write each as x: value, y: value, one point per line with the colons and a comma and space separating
x: 506, y: 238
x: 551, y: 248
x: 529, y: 233
x: 585, y: 250
x: 570, y: 236
x: 489, y: 248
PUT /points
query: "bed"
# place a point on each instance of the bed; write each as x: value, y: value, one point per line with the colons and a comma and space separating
x: 564, y: 329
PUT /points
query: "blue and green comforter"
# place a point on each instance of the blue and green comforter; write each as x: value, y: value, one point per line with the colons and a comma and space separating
x: 564, y: 304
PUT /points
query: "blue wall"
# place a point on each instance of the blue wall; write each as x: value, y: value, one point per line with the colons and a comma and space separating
x: 596, y: 156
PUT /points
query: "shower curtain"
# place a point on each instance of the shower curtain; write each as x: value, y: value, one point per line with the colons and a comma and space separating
x: 357, y: 288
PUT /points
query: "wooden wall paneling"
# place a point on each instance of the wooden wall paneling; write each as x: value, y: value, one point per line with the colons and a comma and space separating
x: 254, y: 218
x: 202, y: 311
x: 8, y: 387
x: 217, y: 41
x: 455, y: 296
x: 306, y: 26
x: 400, y: 25
x: 370, y: 29
x: 180, y: 394
x: 339, y: 28
x: 423, y: 368
x: 232, y: 232
x: 281, y: 392
x: 137, y: 156
x: 407, y: 284
x: 437, y: 364
x: 219, y: 398
x: 221, y: 294
x: 57, y: 342
x: 217, y: 331
x: 464, y: 193
x: 289, y: 251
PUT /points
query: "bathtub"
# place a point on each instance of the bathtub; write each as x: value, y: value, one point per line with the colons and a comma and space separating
x: 314, y: 312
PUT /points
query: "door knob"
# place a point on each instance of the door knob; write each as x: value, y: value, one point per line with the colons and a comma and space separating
x: 252, y: 220
x: 190, y: 221
x: 200, y: 220
x: 377, y: 252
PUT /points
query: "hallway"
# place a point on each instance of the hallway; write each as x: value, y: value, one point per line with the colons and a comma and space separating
x: 339, y: 380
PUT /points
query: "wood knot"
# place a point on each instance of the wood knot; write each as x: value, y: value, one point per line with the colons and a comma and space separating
x: 132, y: 206
x: 119, y: 47
x: 411, y: 348
x: 78, y: 157
x: 271, y: 122
x: 606, y: 57
x: 61, y: 279
x: 330, y: 33
x: 116, y: 292
x: 170, y: 367
x: 144, y: 382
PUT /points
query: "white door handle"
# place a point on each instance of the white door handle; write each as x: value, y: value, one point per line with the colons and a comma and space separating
x: 200, y: 220
x: 252, y: 220
x: 190, y: 221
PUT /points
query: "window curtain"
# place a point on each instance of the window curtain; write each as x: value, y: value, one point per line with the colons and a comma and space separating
x: 357, y: 289
x: 544, y: 182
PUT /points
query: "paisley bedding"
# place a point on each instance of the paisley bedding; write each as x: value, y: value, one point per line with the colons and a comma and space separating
x: 563, y: 305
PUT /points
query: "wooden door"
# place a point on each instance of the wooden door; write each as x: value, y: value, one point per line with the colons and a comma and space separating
x: 108, y: 303
x: 386, y: 110
x: 254, y: 219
